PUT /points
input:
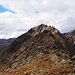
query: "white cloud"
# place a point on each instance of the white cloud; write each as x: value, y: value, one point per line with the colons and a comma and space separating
x: 53, y: 12
x: 11, y: 35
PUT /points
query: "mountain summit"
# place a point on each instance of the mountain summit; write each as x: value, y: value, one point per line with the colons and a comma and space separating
x: 41, y: 28
x: 43, y: 50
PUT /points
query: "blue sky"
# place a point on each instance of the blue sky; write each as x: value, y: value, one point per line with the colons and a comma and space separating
x: 18, y: 16
x: 3, y: 9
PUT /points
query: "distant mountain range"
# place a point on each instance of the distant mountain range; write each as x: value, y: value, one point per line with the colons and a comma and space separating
x: 71, y: 36
x: 5, y: 42
x: 43, y: 50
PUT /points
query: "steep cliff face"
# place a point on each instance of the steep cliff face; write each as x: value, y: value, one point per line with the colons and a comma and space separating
x: 42, y: 50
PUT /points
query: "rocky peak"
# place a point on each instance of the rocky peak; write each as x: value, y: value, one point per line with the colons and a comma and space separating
x: 38, y: 29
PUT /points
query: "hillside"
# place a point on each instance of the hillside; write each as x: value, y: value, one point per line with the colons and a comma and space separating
x: 43, y: 50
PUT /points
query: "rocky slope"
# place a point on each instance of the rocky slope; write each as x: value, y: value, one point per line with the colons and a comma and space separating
x: 43, y: 50
x: 71, y: 36
x: 11, y: 49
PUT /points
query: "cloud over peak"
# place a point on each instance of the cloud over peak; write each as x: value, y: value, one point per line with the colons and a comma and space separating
x: 34, y: 12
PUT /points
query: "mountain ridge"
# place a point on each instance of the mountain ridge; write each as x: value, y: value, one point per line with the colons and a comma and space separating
x: 40, y: 45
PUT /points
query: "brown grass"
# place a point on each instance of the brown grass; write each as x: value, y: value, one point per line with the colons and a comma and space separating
x: 43, y: 66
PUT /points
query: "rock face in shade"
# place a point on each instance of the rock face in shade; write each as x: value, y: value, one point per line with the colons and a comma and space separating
x: 70, y: 36
x: 42, y: 50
